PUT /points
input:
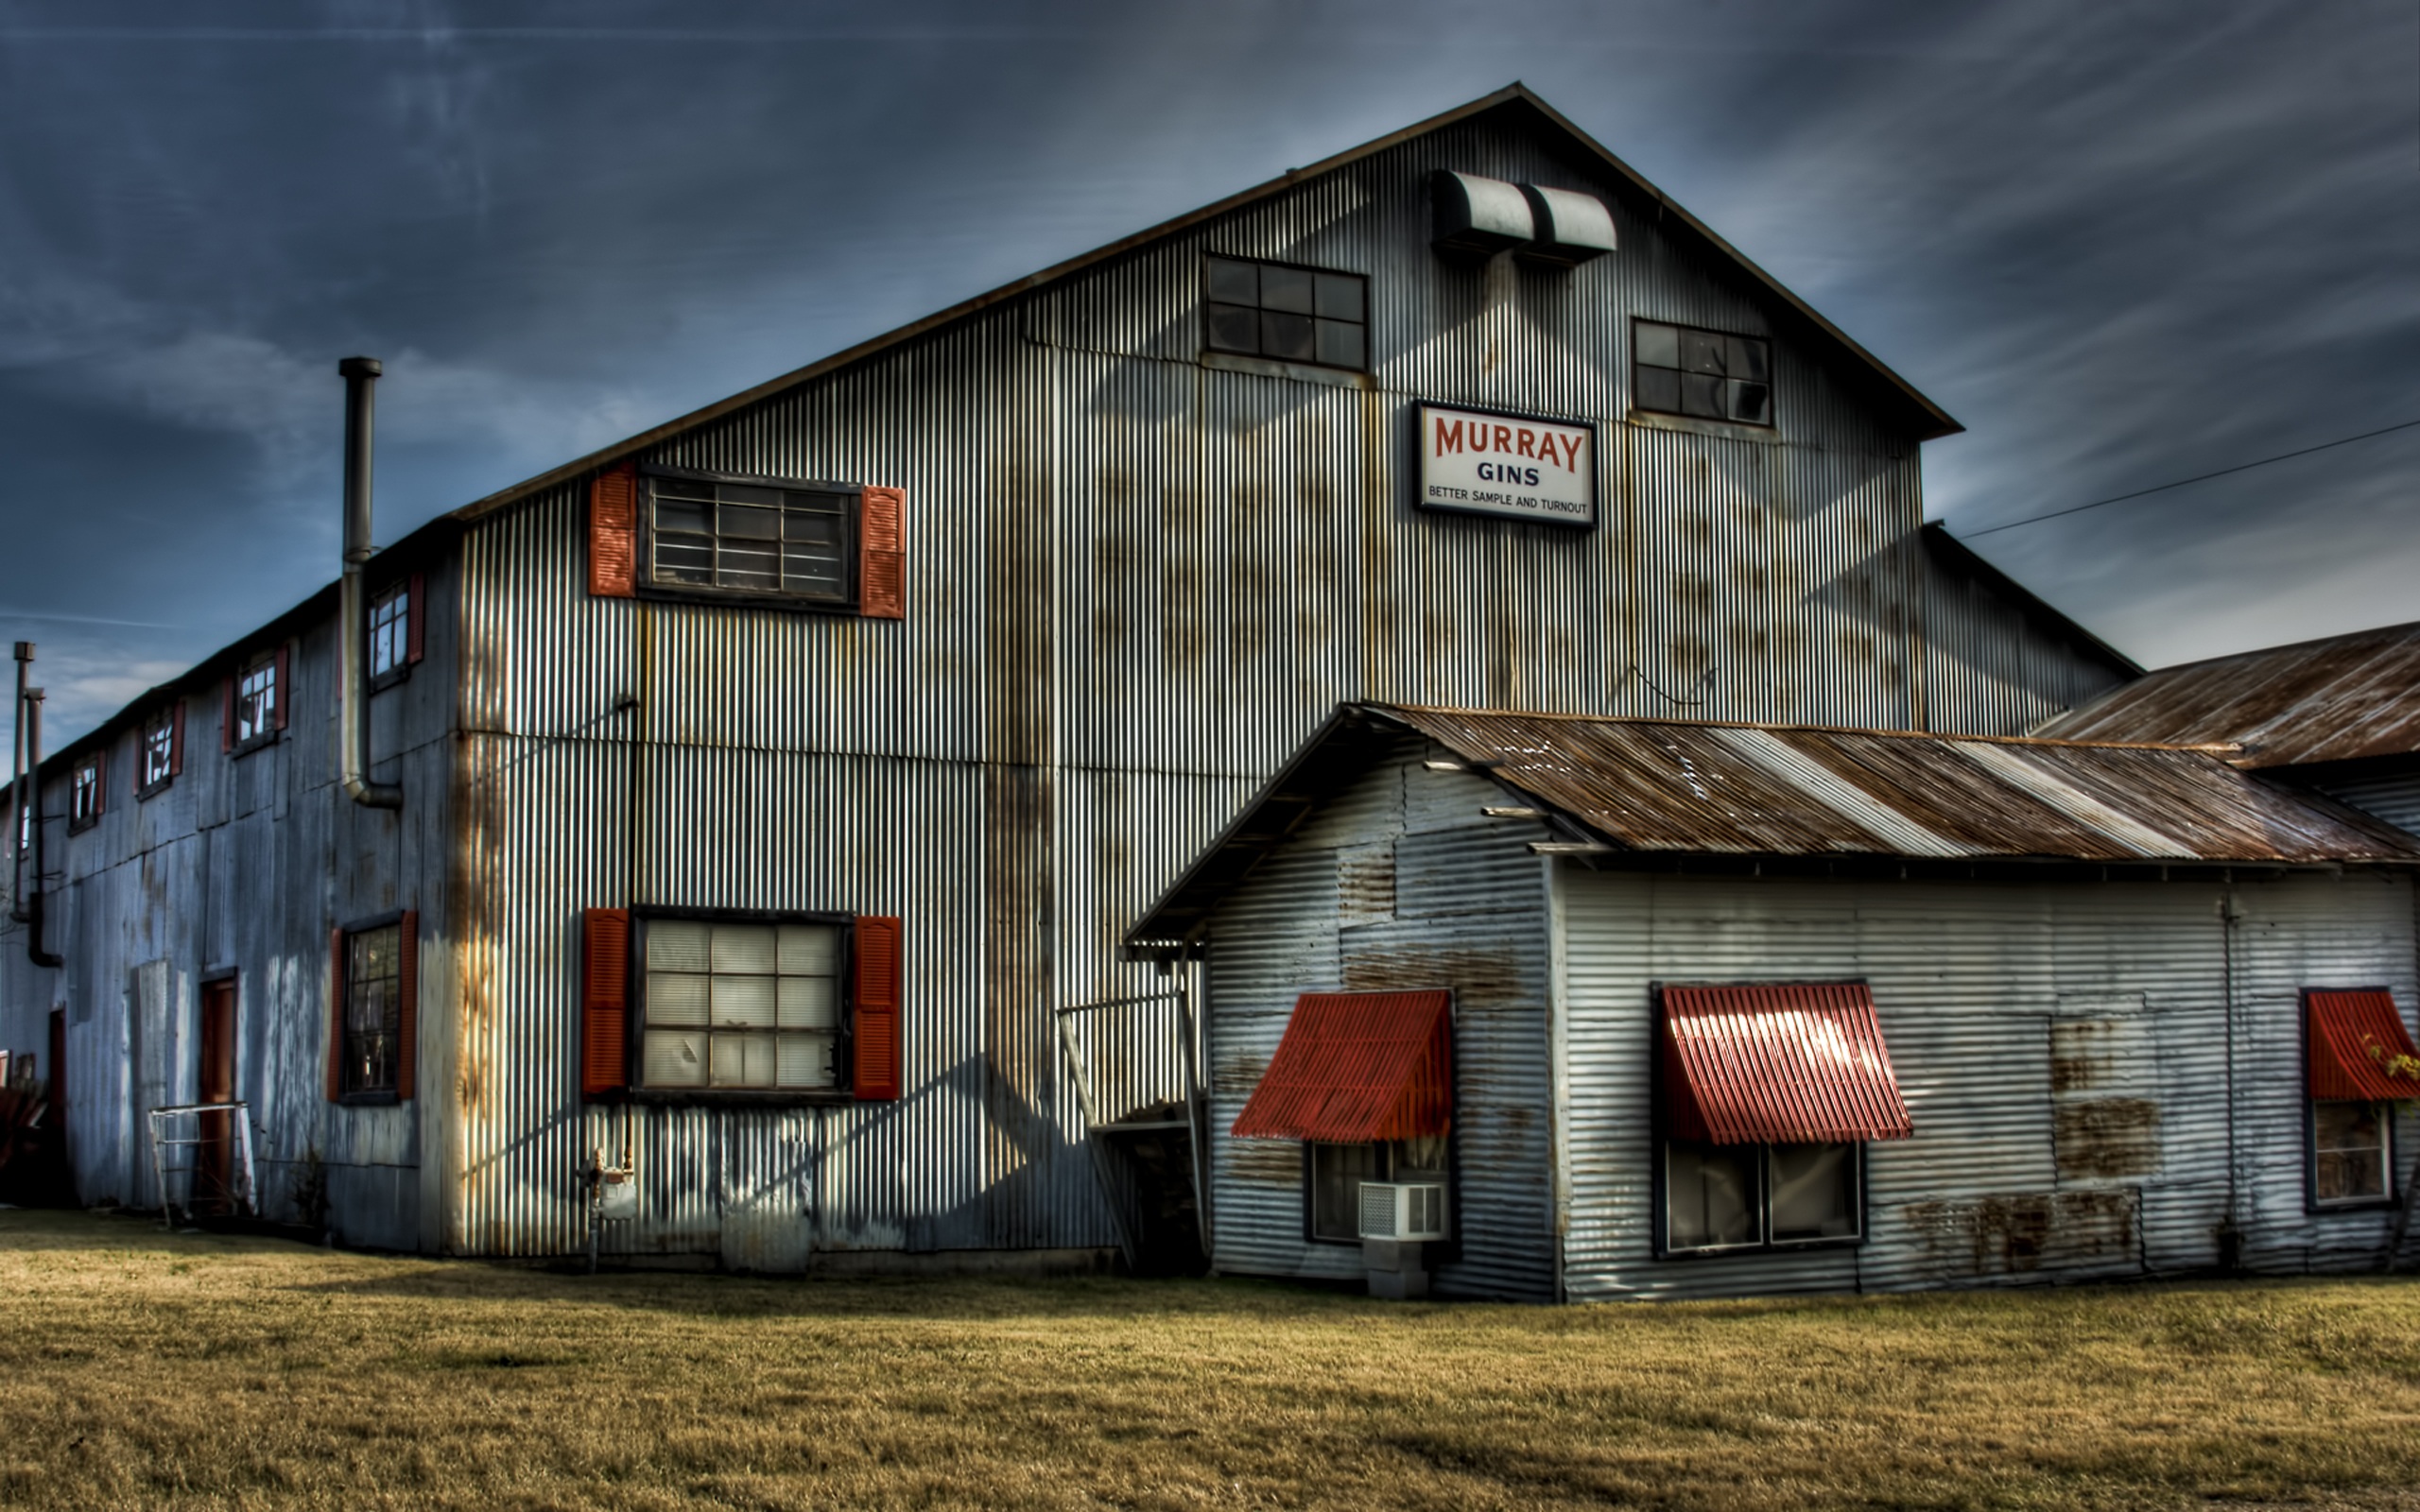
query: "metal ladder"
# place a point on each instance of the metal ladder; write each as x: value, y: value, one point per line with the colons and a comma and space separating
x: 242, y: 1190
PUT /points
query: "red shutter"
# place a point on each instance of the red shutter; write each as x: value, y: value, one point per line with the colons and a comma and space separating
x: 100, y: 782
x: 614, y: 533
x: 877, y: 1033
x: 407, y: 1014
x: 285, y: 704
x: 336, y: 1014
x: 604, y: 1001
x: 227, y: 717
x: 414, y: 642
x: 882, y: 554
x: 177, y: 740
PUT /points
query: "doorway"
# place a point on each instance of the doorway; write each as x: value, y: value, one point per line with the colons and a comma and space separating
x: 213, y: 1182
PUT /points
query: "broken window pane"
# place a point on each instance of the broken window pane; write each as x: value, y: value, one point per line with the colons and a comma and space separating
x: 1745, y: 357
x: 1814, y: 1191
x: 1709, y: 1195
x: 1750, y: 404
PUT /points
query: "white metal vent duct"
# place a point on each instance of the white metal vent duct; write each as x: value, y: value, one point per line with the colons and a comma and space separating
x: 1476, y: 216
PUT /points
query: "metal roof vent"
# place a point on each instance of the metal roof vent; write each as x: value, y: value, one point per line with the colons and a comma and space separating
x: 1478, y: 218
x: 1571, y: 227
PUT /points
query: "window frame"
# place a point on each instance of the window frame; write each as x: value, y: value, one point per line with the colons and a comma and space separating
x: 2315, y: 1204
x: 842, y: 1090
x: 1765, y: 1243
x: 852, y: 550
x: 400, y: 592
x: 94, y: 765
x: 160, y: 728
x: 391, y: 1095
x: 266, y: 732
x: 1637, y: 403
x: 1209, y: 347
x: 1390, y: 1169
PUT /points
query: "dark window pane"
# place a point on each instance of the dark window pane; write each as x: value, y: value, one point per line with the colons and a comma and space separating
x: 1745, y: 357
x: 747, y: 493
x: 1700, y: 351
x: 748, y: 523
x: 823, y: 529
x: 680, y: 516
x: 1341, y: 345
x: 1234, y: 329
x: 1814, y: 1194
x: 1338, y: 297
x: 1752, y: 403
x: 1286, y: 288
x: 1233, y: 283
x: 1702, y: 394
x: 683, y: 489
x: 1659, y: 346
x: 1709, y: 1195
x: 1659, y: 388
x: 816, y: 503
x: 1286, y: 337
x: 683, y: 562
x: 1337, y: 1173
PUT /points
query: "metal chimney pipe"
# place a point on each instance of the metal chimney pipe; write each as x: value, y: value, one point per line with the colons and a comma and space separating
x: 17, y: 791
x: 352, y: 712
x: 33, y: 775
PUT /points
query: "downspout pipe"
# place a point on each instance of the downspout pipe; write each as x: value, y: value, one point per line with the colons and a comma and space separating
x: 353, y: 712
x: 17, y: 911
x: 34, y: 952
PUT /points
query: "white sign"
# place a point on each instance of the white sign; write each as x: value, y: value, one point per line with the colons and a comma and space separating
x: 1538, y: 469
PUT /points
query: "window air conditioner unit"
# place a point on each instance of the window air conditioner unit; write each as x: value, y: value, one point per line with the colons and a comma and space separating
x: 1404, y: 1211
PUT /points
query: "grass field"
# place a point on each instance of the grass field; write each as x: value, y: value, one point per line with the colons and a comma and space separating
x: 140, y: 1369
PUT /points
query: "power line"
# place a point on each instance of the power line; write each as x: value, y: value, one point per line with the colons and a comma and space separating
x: 2202, y: 477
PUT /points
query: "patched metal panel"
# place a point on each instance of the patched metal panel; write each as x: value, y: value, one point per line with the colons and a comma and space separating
x: 2064, y: 1048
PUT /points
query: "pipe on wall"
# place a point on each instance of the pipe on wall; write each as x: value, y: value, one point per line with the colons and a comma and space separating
x: 17, y: 792
x: 353, y: 713
x: 31, y: 712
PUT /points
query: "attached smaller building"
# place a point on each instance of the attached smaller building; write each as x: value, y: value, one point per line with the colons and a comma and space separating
x: 1628, y: 1008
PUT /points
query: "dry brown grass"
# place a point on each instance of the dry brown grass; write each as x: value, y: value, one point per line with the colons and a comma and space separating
x: 139, y: 1368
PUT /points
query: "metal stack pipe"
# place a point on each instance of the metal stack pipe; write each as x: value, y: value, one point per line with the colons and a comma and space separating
x: 31, y: 708
x: 353, y: 721
x: 17, y: 909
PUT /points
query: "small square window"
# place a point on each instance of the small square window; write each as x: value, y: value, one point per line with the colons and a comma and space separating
x: 390, y: 635
x: 2350, y: 1160
x: 162, y: 750
x: 257, y: 699
x: 1287, y: 314
x: 1710, y: 374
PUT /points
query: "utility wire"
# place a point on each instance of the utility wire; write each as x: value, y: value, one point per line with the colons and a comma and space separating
x: 2241, y: 467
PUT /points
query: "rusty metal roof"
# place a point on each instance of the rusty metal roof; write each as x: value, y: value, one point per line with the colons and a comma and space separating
x: 1644, y: 787
x: 1355, y: 1067
x: 2355, y: 1037
x: 1779, y: 1063
x: 2342, y: 698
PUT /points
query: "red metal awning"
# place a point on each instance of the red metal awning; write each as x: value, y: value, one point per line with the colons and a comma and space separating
x: 2354, y: 1038
x: 1355, y: 1067
x: 1782, y: 1063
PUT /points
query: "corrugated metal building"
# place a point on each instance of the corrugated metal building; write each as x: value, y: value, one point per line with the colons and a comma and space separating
x: 1741, y: 1009
x: 980, y: 627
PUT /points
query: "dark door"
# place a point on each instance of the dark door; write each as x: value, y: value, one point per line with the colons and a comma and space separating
x: 214, y: 1187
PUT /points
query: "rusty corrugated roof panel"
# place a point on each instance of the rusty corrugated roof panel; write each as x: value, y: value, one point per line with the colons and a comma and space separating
x: 1654, y: 785
x: 2339, y: 699
x: 1779, y: 1063
x: 1355, y: 1067
x: 2354, y: 1037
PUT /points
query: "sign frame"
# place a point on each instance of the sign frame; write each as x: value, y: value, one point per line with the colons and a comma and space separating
x: 1425, y: 484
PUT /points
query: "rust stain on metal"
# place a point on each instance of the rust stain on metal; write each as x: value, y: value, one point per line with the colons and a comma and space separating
x: 2019, y: 1234
x: 2336, y: 699
x: 1365, y: 884
x: 2083, y: 1055
x: 1265, y: 1163
x: 1478, y: 978
x: 2101, y: 1138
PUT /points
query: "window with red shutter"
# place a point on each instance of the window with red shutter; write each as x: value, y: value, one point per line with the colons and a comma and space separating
x: 604, y: 1001
x: 416, y: 623
x: 878, y: 1060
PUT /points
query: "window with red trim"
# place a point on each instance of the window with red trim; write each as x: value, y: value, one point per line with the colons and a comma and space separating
x: 742, y: 1005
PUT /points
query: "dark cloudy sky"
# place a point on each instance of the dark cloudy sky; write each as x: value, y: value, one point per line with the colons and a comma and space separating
x: 2123, y: 244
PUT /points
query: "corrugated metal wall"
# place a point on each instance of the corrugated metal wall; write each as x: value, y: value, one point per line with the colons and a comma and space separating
x: 2392, y: 796
x: 244, y: 863
x: 2063, y: 1048
x: 1400, y: 884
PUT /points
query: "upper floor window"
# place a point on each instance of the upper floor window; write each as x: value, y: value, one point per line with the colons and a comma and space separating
x: 730, y: 1006
x: 1288, y: 313
x: 1680, y: 370
x: 390, y: 622
x: 162, y: 751
x: 753, y: 539
x: 257, y: 705
x: 85, y: 792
